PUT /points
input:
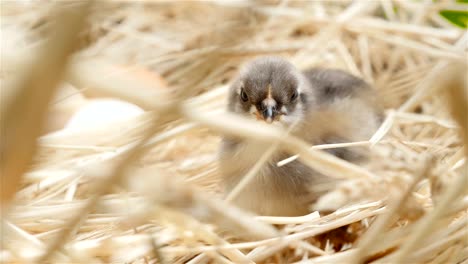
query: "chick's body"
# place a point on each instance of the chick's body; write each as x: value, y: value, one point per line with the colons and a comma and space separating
x: 320, y: 106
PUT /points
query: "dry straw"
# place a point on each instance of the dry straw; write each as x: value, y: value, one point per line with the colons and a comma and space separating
x: 145, y: 189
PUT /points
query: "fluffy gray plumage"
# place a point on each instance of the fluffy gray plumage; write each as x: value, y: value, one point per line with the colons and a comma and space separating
x: 318, y: 105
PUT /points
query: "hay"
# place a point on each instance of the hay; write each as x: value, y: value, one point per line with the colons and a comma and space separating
x: 145, y: 189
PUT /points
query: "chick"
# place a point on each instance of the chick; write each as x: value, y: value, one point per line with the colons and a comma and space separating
x: 320, y: 106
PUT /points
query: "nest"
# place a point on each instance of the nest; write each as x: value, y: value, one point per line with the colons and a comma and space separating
x: 145, y: 188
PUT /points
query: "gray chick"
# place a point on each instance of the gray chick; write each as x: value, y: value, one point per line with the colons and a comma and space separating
x: 320, y: 106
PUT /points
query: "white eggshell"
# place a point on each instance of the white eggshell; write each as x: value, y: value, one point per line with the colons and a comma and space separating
x: 66, y: 102
x: 101, y: 112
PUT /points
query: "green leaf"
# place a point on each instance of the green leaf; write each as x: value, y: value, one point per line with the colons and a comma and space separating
x: 462, y: 1
x: 456, y: 17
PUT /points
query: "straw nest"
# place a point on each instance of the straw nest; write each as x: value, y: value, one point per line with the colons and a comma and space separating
x: 144, y: 188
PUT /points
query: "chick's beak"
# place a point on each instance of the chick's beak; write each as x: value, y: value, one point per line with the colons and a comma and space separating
x: 269, y: 114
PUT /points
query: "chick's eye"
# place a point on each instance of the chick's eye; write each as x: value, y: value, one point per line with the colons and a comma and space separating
x: 294, y: 95
x: 243, y: 96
